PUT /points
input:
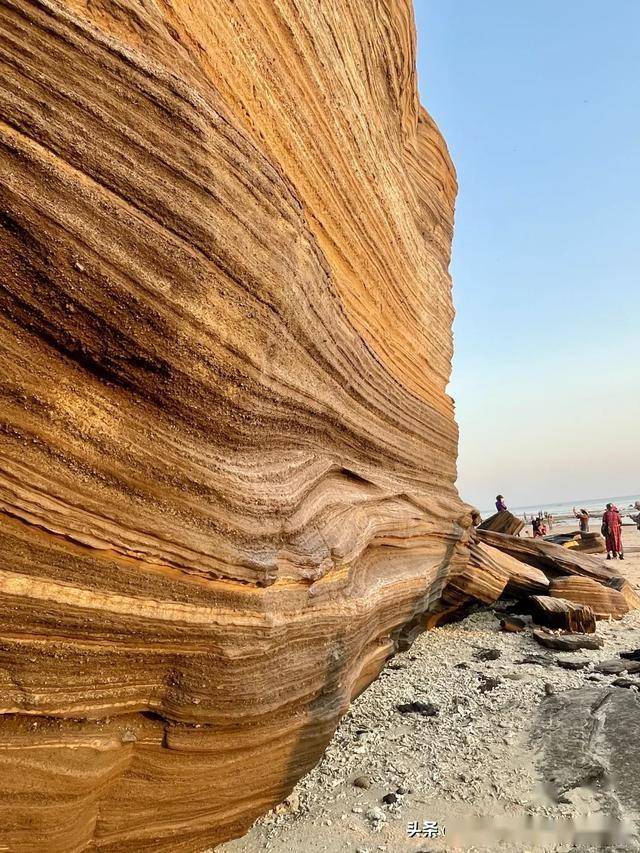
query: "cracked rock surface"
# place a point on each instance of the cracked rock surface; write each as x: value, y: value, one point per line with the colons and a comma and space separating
x: 590, y: 739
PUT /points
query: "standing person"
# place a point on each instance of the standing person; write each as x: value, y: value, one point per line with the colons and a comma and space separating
x: 535, y: 524
x: 636, y: 518
x: 583, y: 519
x: 612, y: 531
x: 500, y: 504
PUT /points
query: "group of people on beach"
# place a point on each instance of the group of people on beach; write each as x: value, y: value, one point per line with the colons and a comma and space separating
x: 541, y: 523
x: 611, y: 527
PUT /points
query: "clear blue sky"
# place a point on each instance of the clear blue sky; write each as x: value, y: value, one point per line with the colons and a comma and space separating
x: 540, y: 105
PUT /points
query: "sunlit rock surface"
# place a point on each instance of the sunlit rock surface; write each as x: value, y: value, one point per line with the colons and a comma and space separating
x: 228, y: 459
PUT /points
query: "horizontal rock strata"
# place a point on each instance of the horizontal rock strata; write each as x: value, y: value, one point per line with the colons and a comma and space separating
x: 503, y: 522
x: 522, y: 579
x: 604, y: 600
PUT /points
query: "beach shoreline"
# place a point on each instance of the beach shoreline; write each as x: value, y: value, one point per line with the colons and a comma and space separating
x: 563, y: 511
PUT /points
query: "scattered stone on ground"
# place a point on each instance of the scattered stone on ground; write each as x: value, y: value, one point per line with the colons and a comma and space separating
x: 634, y: 655
x: 615, y: 667
x: 488, y: 683
x: 566, y: 642
x: 424, y: 709
x: 512, y: 624
x: 487, y: 654
x: 535, y: 660
x: 572, y: 664
x: 632, y: 683
x: 478, y: 768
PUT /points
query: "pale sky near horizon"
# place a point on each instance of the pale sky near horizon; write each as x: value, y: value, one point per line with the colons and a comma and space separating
x: 540, y: 105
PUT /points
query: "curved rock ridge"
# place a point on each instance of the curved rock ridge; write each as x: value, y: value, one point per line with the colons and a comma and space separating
x: 228, y: 458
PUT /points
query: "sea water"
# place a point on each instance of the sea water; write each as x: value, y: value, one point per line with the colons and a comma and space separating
x: 595, y: 506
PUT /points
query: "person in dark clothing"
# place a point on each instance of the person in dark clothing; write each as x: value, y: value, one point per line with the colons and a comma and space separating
x: 500, y: 504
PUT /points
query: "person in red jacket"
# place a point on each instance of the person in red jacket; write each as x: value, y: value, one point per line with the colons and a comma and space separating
x: 612, y: 531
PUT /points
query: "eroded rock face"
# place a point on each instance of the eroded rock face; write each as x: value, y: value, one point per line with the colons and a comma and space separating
x: 228, y: 460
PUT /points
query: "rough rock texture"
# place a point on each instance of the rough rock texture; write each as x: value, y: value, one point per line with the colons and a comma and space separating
x: 553, y: 559
x: 503, y: 522
x: 228, y: 460
x: 523, y: 578
x: 603, y: 600
x: 589, y: 740
x: 627, y: 591
x: 566, y: 642
x: 560, y: 614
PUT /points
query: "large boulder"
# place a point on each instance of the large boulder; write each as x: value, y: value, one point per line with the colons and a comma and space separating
x: 228, y: 457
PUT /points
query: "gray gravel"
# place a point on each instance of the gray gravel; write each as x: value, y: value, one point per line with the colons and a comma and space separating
x: 471, y: 767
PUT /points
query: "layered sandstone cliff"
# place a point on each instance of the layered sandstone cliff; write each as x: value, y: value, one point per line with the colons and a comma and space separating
x: 228, y: 459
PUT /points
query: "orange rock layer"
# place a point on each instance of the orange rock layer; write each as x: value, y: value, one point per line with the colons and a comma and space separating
x: 228, y: 459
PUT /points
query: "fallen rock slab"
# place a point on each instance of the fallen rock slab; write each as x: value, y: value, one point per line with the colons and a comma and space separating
x: 567, y: 642
x: 587, y: 543
x: 572, y: 664
x: 522, y: 579
x: 622, y: 585
x: 503, y: 522
x: 614, y: 666
x: 558, y: 613
x: 554, y: 560
x: 604, y: 600
x: 481, y: 577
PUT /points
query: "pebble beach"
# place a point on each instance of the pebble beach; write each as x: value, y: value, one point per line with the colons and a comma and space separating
x: 463, y: 772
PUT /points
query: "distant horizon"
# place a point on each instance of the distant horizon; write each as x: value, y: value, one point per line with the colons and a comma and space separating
x: 535, y: 105
x: 633, y: 496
